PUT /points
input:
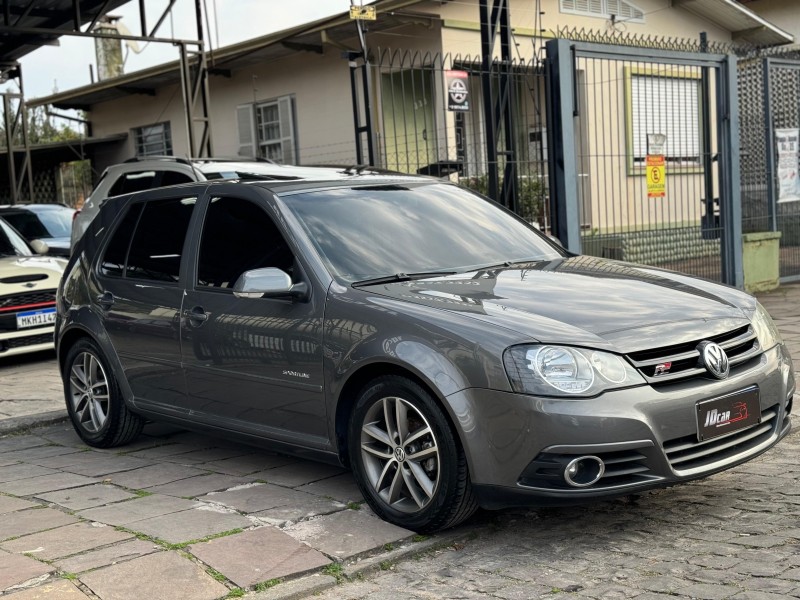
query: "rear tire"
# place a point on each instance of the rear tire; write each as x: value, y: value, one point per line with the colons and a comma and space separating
x: 406, y: 458
x: 94, y: 401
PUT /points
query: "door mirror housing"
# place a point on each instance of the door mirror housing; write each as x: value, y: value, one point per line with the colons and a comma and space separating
x: 40, y: 247
x: 268, y: 283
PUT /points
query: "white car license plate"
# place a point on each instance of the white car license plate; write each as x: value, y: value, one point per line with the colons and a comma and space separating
x: 36, y: 318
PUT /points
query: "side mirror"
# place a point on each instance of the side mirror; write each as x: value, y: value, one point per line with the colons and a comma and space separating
x: 268, y: 283
x: 40, y: 247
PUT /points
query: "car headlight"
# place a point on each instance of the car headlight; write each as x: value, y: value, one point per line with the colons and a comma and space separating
x: 767, y: 332
x: 566, y: 371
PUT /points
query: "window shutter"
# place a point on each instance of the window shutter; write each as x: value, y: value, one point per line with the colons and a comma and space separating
x: 286, y: 115
x: 246, y: 127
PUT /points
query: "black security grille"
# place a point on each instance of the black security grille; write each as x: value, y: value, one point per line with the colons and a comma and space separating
x: 28, y: 340
x: 13, y: 302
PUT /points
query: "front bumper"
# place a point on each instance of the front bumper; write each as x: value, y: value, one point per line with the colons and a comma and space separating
x: 30, y: 340
x: 517, y: 446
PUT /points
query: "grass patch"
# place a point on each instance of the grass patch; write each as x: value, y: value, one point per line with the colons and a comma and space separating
x: 70, y: 576
x: 216, y: 574
x: 354, y: 505
x: 265, y: 585
x: 388, y: 547
x: 335, y: 570
x: 420, y: 537
x: 386, y: 565
x: 235, y: 593
x: 141, y: 493
x: 179, y: 546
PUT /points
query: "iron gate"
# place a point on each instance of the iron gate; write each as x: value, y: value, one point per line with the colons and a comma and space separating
x: 645, y: 149
x: 769, y: 94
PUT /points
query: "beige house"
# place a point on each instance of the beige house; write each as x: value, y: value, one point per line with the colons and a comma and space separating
x: 287, y: 96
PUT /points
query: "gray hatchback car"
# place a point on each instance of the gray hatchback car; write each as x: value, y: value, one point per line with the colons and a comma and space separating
x: 447, y: 352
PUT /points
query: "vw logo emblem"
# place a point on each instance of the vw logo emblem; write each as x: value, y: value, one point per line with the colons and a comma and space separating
x: 399, y: 454
x: 714, y: 359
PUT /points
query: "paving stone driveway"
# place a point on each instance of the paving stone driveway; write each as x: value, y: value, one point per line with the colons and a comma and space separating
x: 174, y: 515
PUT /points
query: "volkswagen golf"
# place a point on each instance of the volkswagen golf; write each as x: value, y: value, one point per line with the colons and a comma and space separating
x: 425, y: 337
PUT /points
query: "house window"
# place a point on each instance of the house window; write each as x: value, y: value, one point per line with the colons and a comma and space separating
x: 267, y: 130
x: 618, y: 9
x: 153, y: 140
x: 669, y: 106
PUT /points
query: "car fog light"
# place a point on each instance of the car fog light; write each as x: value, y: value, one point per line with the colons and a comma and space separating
x: 584, y: 471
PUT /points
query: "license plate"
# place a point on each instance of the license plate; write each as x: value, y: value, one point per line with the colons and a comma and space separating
x: 733, y: 412
x: 36, y: 318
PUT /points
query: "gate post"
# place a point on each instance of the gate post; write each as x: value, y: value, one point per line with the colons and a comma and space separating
x: 731, y: 196
x: 563, y: 169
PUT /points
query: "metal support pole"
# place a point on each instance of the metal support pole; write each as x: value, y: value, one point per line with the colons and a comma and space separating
x: 12, y: 167
x: 705, y: 133
x: 731, y: 196
x: 490, y: 129
x: 563, y: 171
x: 769, y: 144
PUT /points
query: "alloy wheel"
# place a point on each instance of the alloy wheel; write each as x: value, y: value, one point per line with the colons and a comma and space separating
x: 400, y: 454
x: 89, y: 394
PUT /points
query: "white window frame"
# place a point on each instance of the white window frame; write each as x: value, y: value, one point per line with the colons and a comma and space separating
x: 604, y: 10
x: 165, y: 143
x: 252, y: 139
x: 684, y: 145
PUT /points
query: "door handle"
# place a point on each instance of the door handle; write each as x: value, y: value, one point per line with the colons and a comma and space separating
x: 105, y: 300
x: 196, y: 316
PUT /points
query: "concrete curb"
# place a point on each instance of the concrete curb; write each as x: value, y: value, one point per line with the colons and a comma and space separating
x: 17, y: 424
x: 355, y: 568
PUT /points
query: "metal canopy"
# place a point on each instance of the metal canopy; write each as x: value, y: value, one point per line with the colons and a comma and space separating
x: 338, y: 32
x: 19, y: 17
x: 745, y: 25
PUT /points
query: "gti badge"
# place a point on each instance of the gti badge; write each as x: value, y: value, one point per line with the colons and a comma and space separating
x: 714, y: 359
x: 662, y: 369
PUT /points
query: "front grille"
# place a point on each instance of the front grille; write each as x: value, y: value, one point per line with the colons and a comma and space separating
x: 688, y: 453
x: 622, y: 468
x: 27, y: 340
x: 27, y: 299
x: 741, y: 346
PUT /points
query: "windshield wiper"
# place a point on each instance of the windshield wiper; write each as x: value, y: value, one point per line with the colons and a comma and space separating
x: 400, y: 277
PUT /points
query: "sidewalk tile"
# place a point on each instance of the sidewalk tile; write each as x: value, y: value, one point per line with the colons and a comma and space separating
x: 106, y: 556
x: 243, y: 560
x: 22, y: 471
x: 300, y: 473
x: 33, y: 520
x: 9, y: 504
x: 161, y: 576
x: 16, y: 569
x: 57, y: 590
x: 342, y: 488
x: 45, y: 483
x: 130, y: 511
x: 259, y: 497
x: 200, y: 485
x: 66, y: 541
x: 86, y: 497
x: 190, y: 525
x: 157, y: 474
x: 251, y: 463
x: 347, y: 533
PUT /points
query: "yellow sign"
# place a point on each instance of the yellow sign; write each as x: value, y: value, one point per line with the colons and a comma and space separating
x: 656, y: 176
x: 364, y: 13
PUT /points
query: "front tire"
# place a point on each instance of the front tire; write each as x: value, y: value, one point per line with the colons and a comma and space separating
x: 94, y: 401
x: 406, y: 459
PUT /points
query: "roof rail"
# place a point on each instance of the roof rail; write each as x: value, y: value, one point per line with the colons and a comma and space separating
x: 177, y: 159
x: 260, y: 159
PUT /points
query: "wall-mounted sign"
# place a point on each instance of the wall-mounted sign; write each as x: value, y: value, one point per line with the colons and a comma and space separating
x: 656, y: 176
x: 363, y: 13
x: 457, y: 83
x: 788, y: 146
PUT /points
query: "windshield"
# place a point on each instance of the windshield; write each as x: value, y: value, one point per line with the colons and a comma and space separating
x: 375, y: 231
x: 45, y: 224
x: 11, y: 244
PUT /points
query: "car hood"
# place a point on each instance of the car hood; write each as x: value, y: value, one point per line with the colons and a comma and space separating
x: 584, y: 300
x: 29, y: 273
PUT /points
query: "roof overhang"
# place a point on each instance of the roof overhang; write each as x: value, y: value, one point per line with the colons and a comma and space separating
x: 745, y: 25
x: 338, y: 32
x: 71, y: 150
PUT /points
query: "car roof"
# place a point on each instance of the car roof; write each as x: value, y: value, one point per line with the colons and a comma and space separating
x: 34, y: 207
x: 365, y: 180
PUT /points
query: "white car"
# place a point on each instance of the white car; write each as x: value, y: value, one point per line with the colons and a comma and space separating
x: 146, y: 173
x: 27, y: 294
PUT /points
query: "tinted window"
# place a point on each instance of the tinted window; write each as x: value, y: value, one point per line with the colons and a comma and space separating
x: 10, y: 242
x: 43, y: 224
x: 174, y: 178
x: 239, y: 236
x: 367, y: 232
x: 117, y: 250
x: 133, y: 182
x: 157, y: 244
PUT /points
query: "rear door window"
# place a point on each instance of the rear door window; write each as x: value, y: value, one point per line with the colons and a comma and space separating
x: 135, y: 181
x: 148, y: 243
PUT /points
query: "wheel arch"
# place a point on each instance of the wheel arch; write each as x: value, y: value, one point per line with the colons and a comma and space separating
x: 359, y: 379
